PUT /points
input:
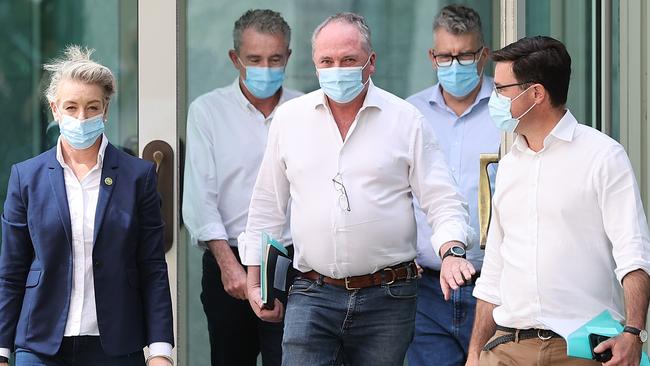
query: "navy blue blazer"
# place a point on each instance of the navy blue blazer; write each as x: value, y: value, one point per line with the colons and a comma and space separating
x: 131, y: 284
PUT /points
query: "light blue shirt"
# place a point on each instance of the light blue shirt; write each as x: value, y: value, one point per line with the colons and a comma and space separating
x: 462, y: 139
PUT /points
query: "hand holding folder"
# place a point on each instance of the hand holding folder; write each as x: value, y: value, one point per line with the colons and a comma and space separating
x: 274, y: 266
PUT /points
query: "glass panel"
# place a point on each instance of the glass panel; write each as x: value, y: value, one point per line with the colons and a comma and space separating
x: 571, y: 23
x: 33, y: 33
x: 615, y: 114
x: 401, y: 36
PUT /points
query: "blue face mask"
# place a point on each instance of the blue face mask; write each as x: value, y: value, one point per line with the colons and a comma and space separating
x: 342, y: 84
x: 459, y: 80
x: 263, y: 82
x: 499, y: 108
x: 81, y: 134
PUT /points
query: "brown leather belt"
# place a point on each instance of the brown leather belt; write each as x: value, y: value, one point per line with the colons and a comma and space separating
x: 386, y: 276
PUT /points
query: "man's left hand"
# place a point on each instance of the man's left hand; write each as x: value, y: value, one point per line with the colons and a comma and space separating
x: 159, y: 361
x: 626, y: 350
x: 454, y: 272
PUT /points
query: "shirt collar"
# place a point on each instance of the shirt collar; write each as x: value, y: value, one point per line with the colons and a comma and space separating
x: 373, y: 98
x: 564, y: 130
x: 100, y: 153
x: 484, y: 93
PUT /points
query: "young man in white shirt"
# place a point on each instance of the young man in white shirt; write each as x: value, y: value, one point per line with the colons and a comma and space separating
x: 226, y: 136
x: 456, y: 108
x: 351, y: 156
x: 568, y: 236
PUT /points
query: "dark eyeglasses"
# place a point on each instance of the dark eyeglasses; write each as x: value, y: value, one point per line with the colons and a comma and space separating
x: 501, y: 87
x: 466, y: 58
x: 338, y: 185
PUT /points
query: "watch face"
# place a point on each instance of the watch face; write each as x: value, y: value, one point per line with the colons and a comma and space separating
x: 643, y: 335
x: 458, y: 251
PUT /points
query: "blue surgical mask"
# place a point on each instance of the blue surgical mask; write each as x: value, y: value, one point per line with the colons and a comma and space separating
x: 342, y: 84
x: 459, y: 80
x: 499, y: 108
x: 81, y: 134
x: 263, y: 82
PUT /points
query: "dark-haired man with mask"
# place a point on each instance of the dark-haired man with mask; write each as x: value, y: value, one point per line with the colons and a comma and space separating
x: 568, y: 235
x: 456, y: 109
x: 226, y: 135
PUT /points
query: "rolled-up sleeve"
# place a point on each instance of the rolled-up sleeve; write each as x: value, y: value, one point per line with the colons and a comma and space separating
x: 201, y: 186
x: 623, y: 216
x: 436, y: 190
x: 268, y: 209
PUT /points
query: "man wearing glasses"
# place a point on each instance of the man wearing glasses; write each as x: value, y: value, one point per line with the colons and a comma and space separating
x: 456, y: 108
x: 568, y: 236
x: 352, y: 156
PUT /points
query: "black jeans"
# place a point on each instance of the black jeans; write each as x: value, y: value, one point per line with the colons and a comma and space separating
x: 237, y: 335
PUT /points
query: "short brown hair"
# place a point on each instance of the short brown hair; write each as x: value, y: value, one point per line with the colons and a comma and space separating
x: 542, y: 60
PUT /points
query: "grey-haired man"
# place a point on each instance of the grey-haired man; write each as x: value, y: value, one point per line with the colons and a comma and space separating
x: 456, y: 108
x: 351, y: 156
x: 226, y: 136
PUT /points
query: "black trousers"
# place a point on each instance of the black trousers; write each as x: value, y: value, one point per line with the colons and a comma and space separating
x: 237, y: 335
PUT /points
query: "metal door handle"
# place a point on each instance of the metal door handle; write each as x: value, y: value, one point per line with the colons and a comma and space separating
x: 158, y: 157
x: 485, y: 195
x: 162, y: 155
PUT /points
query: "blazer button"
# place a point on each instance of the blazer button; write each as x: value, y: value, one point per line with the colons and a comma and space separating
x: 97, y: 264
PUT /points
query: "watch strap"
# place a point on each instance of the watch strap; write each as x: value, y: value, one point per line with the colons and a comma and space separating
x: 641, y: 334
x: 633, y: 330
x: 450, y: 253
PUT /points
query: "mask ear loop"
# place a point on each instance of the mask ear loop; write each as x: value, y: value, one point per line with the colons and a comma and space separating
x: 364, y: 66
x: 522, y: 93
x: 523, y: 114
x: 480, y: 75
x: 531, y: 107
x: 367, y: 61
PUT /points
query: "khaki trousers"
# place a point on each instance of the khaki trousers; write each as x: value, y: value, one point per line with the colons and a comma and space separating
x: 531, y: 352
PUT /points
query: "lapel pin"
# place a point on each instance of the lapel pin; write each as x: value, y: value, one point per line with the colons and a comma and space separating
x: 108, y: 181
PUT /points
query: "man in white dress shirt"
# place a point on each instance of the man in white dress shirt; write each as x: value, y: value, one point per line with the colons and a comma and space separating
x: 351, y: 156
x: 456, y: 108
x: 568, y: 236
x: 226, y: 136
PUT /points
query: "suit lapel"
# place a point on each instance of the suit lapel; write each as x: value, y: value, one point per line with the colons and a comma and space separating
x: 106, y: 186
x: 57, y: 182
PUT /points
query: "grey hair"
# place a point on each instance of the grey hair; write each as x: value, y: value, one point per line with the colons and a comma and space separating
x: 349, y: 18
x: 459, y: 20
x: 77, y: 65
x: 263, y: 21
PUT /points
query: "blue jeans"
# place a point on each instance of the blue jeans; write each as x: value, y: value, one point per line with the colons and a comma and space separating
x: 329, y: 325
x: 442, y: 328
x: 78, y: 351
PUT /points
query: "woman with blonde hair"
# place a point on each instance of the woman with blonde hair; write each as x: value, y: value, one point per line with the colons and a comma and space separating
x: 83, y: 277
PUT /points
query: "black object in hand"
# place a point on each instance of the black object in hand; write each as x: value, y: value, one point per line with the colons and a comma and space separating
x: 595, y: 340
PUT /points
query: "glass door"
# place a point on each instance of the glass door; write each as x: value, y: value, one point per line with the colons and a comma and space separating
x: 33, y: 33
